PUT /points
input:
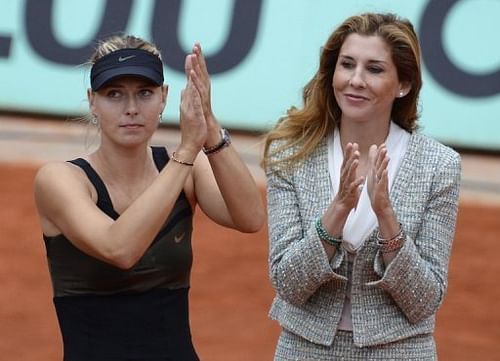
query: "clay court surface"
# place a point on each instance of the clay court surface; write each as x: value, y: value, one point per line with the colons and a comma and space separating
x: 230, y: 293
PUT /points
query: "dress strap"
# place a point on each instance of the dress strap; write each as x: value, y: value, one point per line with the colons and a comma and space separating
x: 160, y: 157
x: 103, y: 199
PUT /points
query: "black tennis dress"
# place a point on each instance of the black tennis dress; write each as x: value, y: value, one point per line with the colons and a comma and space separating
x: 141, y: 314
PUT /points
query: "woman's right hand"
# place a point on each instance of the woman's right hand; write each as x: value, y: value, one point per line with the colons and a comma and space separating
x: 192, y: 122
x: 349, y: 186
x: 347, y: 196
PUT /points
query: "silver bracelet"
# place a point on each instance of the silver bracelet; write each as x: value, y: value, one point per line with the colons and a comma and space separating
x: 391, y: 244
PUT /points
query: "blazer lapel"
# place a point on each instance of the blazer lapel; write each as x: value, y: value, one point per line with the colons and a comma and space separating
x: 322, y: 177
x: 314, y: 182
x: 405, y: 173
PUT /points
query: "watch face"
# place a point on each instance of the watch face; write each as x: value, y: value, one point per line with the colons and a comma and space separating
x: 226, y: 137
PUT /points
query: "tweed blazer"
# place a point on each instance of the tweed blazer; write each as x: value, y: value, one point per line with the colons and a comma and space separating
x: 388, y: 304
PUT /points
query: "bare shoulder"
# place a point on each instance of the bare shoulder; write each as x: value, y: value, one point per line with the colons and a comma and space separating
x: 57, y: 172
x: 54, y: 179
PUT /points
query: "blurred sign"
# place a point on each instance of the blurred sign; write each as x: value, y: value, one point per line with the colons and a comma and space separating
x: 260, y: 53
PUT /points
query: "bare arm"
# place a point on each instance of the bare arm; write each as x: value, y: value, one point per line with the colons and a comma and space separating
x: 224, y: 187
x: 64, y: 199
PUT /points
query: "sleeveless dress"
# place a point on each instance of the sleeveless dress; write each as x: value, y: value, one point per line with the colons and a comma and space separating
x: 106, y: 313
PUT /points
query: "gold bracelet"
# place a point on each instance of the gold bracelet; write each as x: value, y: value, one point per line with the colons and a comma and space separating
x: 175, y: 159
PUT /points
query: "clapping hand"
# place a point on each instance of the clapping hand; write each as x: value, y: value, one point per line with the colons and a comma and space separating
x: 349, y: 187
x: 196, y: 64
x: 378, y: 179
x: 197, y: 67
x: 192, y: 119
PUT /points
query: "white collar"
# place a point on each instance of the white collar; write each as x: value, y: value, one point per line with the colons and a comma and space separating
x: 362, y: 221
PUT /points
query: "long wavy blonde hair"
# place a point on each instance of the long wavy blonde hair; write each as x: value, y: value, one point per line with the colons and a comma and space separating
x: 304, y: 128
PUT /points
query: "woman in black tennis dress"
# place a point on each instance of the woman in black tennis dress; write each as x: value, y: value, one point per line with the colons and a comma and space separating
x: 117, y: 222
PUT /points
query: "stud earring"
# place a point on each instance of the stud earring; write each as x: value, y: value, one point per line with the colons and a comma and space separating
x: 94, y: 120
x: 401, y: 94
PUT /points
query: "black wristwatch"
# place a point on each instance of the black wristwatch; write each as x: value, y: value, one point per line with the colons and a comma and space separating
x: 224, y: 142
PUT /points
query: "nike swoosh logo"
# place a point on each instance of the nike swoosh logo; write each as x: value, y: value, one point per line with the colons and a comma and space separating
x: 178, y: 238
x: 125, y: 58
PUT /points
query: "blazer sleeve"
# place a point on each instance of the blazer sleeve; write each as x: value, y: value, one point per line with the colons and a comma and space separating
x: 417, y: 277
x: 298, y: 263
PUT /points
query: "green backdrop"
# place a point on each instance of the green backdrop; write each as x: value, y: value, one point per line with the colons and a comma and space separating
x: 254, y: 90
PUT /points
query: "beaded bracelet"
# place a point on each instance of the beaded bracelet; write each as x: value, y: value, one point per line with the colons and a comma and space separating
x: 392, y: 244
x: 325, y: 236
x: 175, y: 159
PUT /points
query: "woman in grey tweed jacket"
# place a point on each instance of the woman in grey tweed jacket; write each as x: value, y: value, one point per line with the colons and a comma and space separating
x: 362, y: 208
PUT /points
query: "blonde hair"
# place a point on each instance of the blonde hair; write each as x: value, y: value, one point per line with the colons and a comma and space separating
x: 304, y: 128
x: 117, y: 42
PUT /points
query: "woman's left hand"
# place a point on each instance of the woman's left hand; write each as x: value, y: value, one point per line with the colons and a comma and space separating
x: 192, y: 121
x: 201, y: 79
x: 378, y: 180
